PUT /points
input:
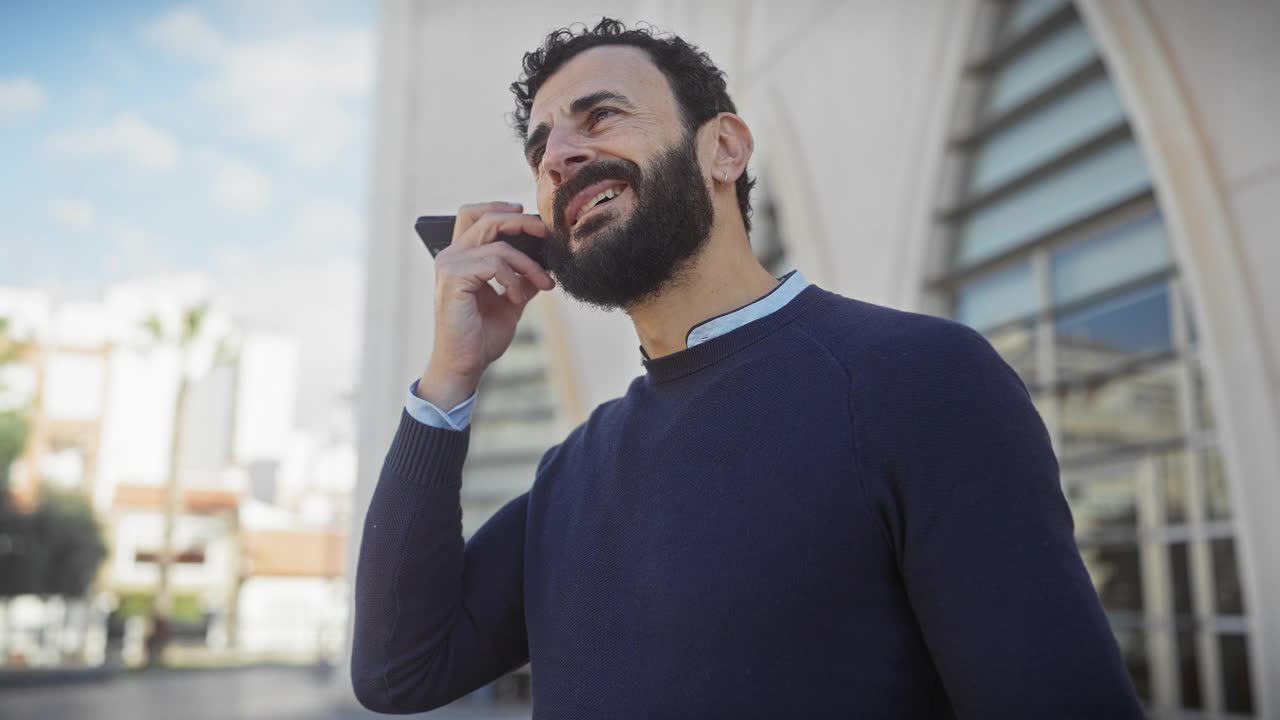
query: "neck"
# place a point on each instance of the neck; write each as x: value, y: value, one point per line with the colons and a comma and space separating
x: 724, y: 277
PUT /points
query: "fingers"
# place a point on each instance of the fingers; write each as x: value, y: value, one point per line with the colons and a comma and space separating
x: 469, y: 214
x: 482, y: 239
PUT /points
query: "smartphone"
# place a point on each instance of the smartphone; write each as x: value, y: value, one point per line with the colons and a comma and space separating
x: 436, y: 232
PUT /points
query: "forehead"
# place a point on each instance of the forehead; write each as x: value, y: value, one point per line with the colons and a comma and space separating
x: 618, y: 68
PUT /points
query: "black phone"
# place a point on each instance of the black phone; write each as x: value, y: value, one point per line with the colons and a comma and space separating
x: 436, y: 232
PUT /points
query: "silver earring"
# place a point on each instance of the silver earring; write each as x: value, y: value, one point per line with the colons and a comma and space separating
x: 726, y: 177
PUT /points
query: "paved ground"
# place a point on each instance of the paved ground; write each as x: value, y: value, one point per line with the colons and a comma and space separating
x: 240, y: 694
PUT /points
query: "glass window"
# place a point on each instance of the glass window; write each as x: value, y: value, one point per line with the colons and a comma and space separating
x: 1045, y: 133
x: 1180, y: 572
x: 1228, y: 599
x: 1117, y: 574
x: 1016, y: 344
x: 1121, y: 411
x: 1084, y: 187
x: 1114, y: 331
x: 1217, y: 500
x: 1104, y: 499
x: 1133, y: 648
x: 1189, y: 670
x: 1118, y: 255
x: 997, y: 297
x: 1054, y: 58
x: 1173, y: 471
x: 1026, y: 13
x: 1236, y: 689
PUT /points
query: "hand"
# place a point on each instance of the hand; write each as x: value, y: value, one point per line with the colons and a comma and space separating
x: 474, y: 323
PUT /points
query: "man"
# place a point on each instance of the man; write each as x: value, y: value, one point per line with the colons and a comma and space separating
x: 807, y: 506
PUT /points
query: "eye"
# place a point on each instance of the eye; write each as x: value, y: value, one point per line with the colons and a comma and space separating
x: 599, y: 114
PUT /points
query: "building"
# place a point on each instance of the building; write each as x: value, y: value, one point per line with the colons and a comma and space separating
x: 1091, y: 184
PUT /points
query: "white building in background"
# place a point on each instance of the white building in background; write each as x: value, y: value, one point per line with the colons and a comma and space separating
x: 263, y: 504
x: 1092, y: 184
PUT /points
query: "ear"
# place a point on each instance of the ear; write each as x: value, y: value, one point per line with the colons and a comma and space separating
x: 734, y: 146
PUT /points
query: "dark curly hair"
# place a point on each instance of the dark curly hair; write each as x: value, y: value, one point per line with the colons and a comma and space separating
x: 698, y: 85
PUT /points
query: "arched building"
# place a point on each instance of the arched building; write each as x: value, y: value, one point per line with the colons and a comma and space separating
x: 1092, y: 184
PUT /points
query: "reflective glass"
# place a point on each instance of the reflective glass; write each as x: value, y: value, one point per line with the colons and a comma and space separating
x: 1025, y: 13
x: 1122, y: 253
x: 1045, y: 133
x: 1173, y: 472
x: 1237, y: 690
x: 1049, y: 61
x: 1117, y: 575
x: 997, y: 297
x: 1133, y: 648
x: 1217, y: 500
x: 1016, y: 344
x: 1132, y: 408
x: 1180, y: 575
x: 1086, y: 186
x: 1204, y: 405
x: 1103, y: 499
x: 1113, y: 331
x: 1189, y: 670
x: 1228, y: 599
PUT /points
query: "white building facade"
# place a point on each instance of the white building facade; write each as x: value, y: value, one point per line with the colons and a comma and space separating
x: 1091, y: 184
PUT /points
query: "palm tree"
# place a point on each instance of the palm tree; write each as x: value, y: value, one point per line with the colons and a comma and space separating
x: 192, y: 328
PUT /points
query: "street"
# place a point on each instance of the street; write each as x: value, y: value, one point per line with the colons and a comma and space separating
x: 277, y: 693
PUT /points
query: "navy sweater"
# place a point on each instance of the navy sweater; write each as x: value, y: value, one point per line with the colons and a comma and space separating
x: 836, y: 510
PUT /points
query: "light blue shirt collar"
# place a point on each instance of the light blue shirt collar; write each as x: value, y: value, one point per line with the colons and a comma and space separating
x: 786, y: 291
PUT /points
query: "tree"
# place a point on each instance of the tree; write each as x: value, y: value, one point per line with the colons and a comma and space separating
x: 193, y: 328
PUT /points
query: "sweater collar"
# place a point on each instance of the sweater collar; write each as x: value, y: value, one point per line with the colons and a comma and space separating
x: 757, y: 319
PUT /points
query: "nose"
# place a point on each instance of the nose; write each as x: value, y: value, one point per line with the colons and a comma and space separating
x: 564, y: 156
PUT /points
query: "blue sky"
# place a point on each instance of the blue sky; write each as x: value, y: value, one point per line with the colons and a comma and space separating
x: 143, y: 140
x: 146, y: 136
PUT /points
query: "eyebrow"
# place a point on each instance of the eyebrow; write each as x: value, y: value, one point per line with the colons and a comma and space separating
x: 581, y: 105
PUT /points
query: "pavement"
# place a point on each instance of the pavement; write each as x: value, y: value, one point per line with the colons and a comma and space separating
x: 255, y: 693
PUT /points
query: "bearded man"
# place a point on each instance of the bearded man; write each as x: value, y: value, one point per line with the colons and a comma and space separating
x: 807, y: 505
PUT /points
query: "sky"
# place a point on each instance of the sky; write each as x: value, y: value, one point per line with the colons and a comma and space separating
x: 141, y: 138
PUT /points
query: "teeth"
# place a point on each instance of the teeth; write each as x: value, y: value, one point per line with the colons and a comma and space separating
x: 610, y: 193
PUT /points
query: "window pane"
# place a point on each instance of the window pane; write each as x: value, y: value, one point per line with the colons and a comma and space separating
x: 1109, y: 259
x: 1103, y: 499
x: 1116, y: 575
x: 1026, y: 13
x: 1173, y: 471
x: 1217, y: 499
x: 1237, y: 689
x: 1054, y: 58
x: 1088, y: 185
x: 1189, y: 670
x: 1045, y: 133
x: 1180, y: 575
x: 997, y: 297
x: 1114, y: 331
x: 1226, y: 578
x: 1120, y: 411
x: 1016, y: 344
x: 1133, y: 648
x: 1204, y: 405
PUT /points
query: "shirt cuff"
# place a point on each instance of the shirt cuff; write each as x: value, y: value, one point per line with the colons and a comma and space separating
x: 458, y: 418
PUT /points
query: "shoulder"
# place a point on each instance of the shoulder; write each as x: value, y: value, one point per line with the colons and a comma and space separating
x: 875, y: 342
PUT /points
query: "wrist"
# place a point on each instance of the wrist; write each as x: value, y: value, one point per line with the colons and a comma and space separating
x: 445, y: 390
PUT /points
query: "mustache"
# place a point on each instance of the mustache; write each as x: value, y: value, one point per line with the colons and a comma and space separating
x: 624, y: 170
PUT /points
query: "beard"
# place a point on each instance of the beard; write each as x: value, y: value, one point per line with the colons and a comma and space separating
x: 619, y: 264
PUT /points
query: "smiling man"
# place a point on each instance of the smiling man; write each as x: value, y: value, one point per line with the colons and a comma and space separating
x: 807, y: 505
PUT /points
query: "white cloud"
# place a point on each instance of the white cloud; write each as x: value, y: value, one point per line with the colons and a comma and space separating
x: 75, y: 213
x: 184, y: 31
x: 302, y: 91
x: 240, y: 187
x: 20, y: 95
x: 128, y: 136
x: 326, y: 228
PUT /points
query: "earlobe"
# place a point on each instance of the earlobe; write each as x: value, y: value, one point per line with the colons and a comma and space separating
x: 733, y: 147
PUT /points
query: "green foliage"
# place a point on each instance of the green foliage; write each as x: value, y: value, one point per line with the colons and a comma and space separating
x: 54, y: 550
x: 187, y: 607
x: 13, y: 438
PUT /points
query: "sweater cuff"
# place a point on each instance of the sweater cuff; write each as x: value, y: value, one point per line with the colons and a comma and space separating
x: 428, y: 455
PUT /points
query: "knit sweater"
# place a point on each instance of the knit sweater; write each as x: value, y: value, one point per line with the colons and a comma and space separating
x: 836, y: 510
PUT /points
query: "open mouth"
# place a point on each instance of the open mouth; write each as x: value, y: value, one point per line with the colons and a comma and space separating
x: 606, y: 194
